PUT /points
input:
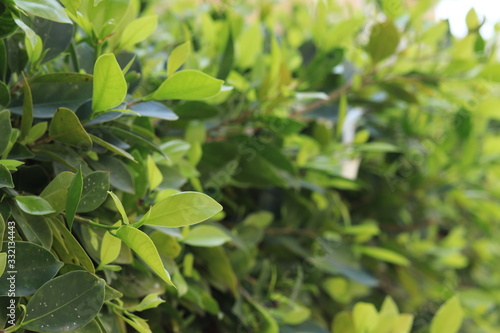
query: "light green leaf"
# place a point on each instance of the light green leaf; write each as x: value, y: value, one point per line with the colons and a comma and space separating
x: 449, y: 317
x: 36, y: 132
x: 69, y: 301
x: 151, y: 301
x: 65, y: 127
x: 74, y: 195
x: 182, y: 209
x: 3, y: 262
x: 154, y: 174
x: 188, y: 85
x: 48, y: 9
x: 120, y: 207
x: 110, y: 87
x: 138, y: 30
x: 206, y: 236
x: 383, y: 254
x: 178, y: 57
x: 34, y: 205
x: 384, y: 40
x: 110, y: 247
x: 141, y: 244
x: 365, y: 317
x: 11, y: 164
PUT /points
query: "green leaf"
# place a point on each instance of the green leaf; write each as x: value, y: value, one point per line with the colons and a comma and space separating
x: 5, y: 129
x: 268, y: 324
x: 36, y: 132
x: 66, y: 128
x: 74, y: 195
x: 8, y: 25
x: 154, y: 174
x: 151, y: 301
x: 383, y: 254
x: 365, y: 316
x: 120, y: 207
x: 110, y: 87
x: 449, y: 317
x: 3, y: 262
x: 3, y: 227
x: 206, y: 236
x: 94, y: 192
x: 141, y: 244
x: 48, y: 9
x: 69, y: 302
x: 34, y: 205
x: 110, y: 247
x: 178, y: 57
x: 4, y: 95
x: 68, y: 249
x: 113, y: 148
x: 5, y: 177
x: 188, y: 85
x: 167, y: 245
x: 11, y: 164
x: 182, y: 209
x: 56, y: 192
x: 138, y: 30
x: 384, y: 40
x: 34, y: 266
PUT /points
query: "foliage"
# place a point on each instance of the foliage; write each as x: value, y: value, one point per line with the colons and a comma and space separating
x: 353, y: 153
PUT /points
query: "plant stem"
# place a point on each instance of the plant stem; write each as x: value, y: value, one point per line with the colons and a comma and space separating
x: 94, y: 224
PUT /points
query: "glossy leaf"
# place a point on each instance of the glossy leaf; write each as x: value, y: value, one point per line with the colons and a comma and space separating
x: 69, y: 302
x: 141, y: 244
x: 449, y: 317
x: 5, y: 177
x: 34, y: 266
x: 74, y: 194
x: 110, y: 86
x: 178, y: 57
x: 34, y: 205
x: 65, y: 127
x: 206, y: 236
x: 188, y: 85
x: 182, y: 209
x: 48, y: 9
x: 94, y: 192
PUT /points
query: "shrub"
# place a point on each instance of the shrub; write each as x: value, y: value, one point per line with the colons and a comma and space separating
x: 353, y: 155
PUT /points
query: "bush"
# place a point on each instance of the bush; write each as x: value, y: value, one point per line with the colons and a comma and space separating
x: 353, y: 153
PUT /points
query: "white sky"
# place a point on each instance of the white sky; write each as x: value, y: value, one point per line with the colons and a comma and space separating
x: 456, y: 10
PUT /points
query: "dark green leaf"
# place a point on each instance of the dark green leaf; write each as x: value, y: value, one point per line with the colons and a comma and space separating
x: 66, y: 303
x: 5, y: 129
x: 74, y: 195
x: 34, y: 265
x: 5, y: 177
x: 95, y: 191
x: 4, y: 95
x: 155, y: 110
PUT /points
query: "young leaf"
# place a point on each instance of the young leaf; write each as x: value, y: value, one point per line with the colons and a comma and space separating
x: 206, y: 236
x: 151, y: 301
x: 449, y: 317
x: 138, y: 30
x: 120, y: 207
x: 383, y: 254
x: 141, y: 244
x: 384, y: 40
x: 178, y: 57
x: 182, y: 209
x: 34, y: 205
x: 110, y: 246
x: 110, y: 87
x: 188, y: 85
x: 65, y: 127
x: 154, y: 174
x: 69, y: 301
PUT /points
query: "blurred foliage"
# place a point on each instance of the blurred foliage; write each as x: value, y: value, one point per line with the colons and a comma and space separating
x: 353, y: 150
